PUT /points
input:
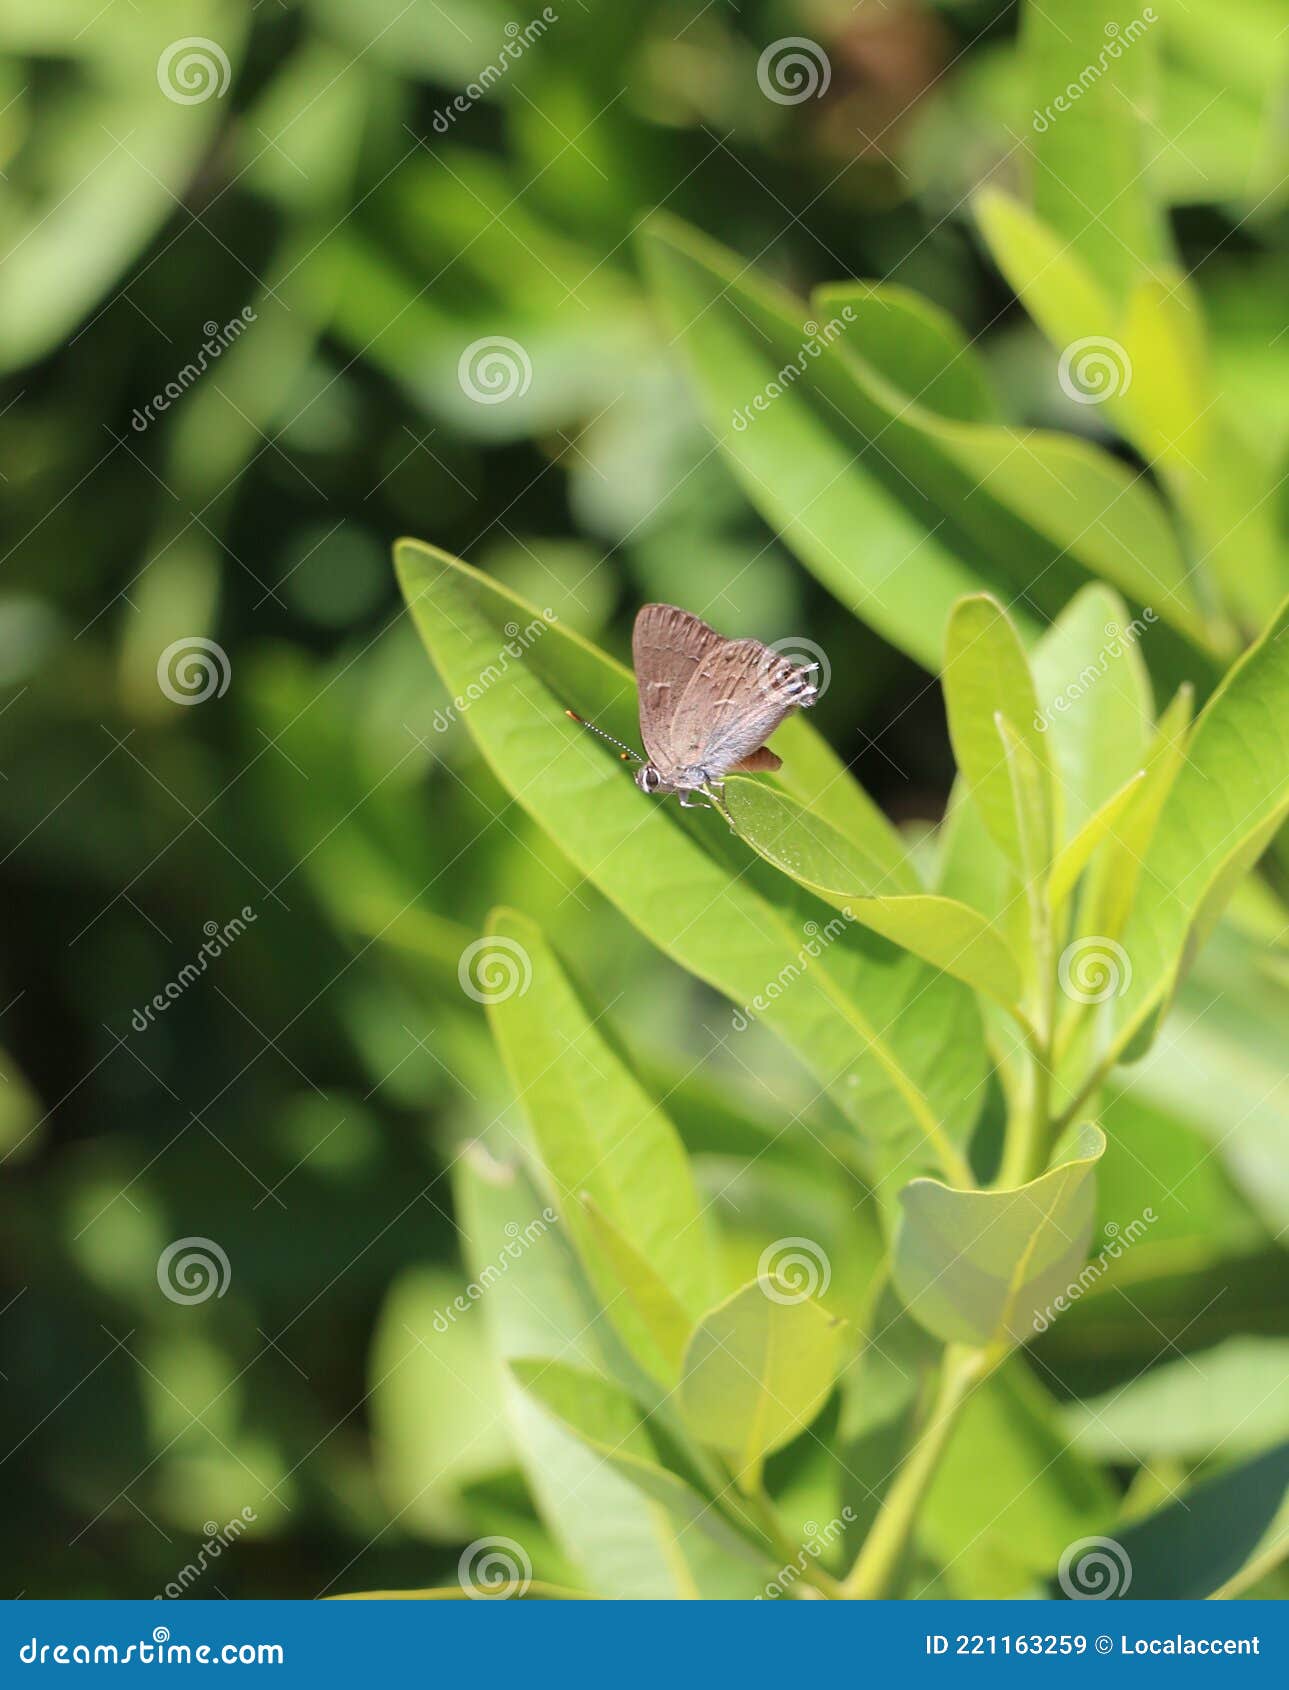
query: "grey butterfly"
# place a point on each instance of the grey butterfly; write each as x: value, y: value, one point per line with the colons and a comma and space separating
x: 707, y: 704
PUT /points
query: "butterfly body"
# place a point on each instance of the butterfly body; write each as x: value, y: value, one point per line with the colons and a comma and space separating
x: 707, y: 703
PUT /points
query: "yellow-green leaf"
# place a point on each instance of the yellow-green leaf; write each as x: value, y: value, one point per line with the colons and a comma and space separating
x: 757, y: 1370
x: 989, y: 1268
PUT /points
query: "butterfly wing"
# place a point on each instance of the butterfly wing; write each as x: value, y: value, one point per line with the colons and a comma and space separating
x: 667, y: 646
x: 738, y: 695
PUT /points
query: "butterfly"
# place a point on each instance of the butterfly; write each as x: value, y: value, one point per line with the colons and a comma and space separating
x: 707, y: 704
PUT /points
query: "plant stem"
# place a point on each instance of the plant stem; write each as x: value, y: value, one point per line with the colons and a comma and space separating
x: 756, y: 1508
x: 879, y: 1562
x: 1026, y: 1148
x: 1028, y: 1140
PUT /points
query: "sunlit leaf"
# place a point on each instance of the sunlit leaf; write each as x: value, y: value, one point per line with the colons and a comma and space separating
x: 987, y: 1267
x: 1229, y: 795
x: 986, y: 674
x: 757, y: 1371
x: 907, y: 1079
x: 599, y: 1134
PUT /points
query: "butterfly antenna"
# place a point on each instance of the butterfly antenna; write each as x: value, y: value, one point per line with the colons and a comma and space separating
x: 627, y: 752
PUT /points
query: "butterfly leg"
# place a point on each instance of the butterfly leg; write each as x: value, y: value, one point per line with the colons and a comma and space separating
x: 715, y: 789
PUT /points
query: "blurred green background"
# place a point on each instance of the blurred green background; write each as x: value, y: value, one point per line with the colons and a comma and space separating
x: 300, y: 1101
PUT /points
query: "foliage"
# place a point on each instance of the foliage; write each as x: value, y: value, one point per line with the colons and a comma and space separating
x: 516, y: 1277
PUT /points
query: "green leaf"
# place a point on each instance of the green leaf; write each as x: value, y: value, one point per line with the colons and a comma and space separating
x: 986, y: 674
x: 947, y: 934
x: 663, y: 1317
x: 611, y: 1426
x: 1230, y: 794
x: 1114, y: 880
x: 806, y: 847
x: 599, y: 1134
x: 1094, y: 698
x: 913, y: 344
x: 898, y: 1046
x: 535, y: 1590
x: 1232, y: 1399
x: 757, y: 1370
x: 437, y: 1415
x: 538, y: 1304
x: 1031, y: 789
x: 1090, y: 156
x: 1202, y: 1544
x: 1010, y: 1493
x: 987, y: 1267
x: 814, y: 773
x: 1140, y: 358
x: 978, y: 506
x: 1074, y: 858
x: 795, y: 457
